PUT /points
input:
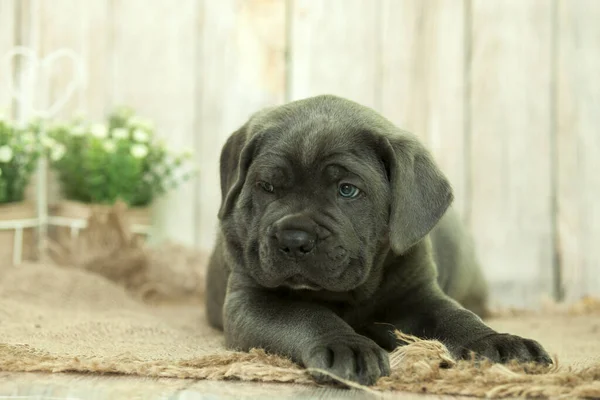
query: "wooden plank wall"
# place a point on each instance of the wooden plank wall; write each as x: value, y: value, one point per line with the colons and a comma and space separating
x: 153, y: 65
x: 506, y: 95
x: 577, y: 162
x: 8, y: 15
x: 510, y: 124
x: 335, y: 55
x: 242, y: 66
x: 423, y: 80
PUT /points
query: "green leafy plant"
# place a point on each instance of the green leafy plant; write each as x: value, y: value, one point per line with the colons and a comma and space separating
x: 119, y: 160
x: 19, y: 153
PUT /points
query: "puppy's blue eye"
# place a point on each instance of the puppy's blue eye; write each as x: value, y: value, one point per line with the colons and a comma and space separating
x: 349, y: 191
x: 266, y: 186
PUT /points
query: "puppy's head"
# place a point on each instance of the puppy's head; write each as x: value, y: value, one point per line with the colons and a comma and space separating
x: 316, y: 191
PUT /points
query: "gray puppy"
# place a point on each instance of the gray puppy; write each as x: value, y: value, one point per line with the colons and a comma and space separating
x: 335, y: 230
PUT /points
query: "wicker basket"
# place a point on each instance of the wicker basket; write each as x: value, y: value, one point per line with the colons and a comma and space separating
x: 23, y: 215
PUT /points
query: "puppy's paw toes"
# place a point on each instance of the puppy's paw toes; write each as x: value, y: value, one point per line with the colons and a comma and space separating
x: 504, y: 348
x: 349, y: 357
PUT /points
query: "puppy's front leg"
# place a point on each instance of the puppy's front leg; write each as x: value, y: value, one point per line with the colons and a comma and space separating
x: 428, y: 313
x: 308, y: 333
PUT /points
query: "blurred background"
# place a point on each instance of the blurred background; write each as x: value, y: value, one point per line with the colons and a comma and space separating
x: 505, y: 93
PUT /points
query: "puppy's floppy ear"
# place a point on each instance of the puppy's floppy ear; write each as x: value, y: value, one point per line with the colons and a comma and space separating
x: 421, y: 194
x: 236, y: 157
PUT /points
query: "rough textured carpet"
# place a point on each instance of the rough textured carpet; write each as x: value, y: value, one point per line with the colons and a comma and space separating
x: 54, y: 319
x: 90, y: 319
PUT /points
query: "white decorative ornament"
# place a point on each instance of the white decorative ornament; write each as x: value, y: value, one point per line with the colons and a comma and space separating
x: 32, y: 100
x: 37, y: 67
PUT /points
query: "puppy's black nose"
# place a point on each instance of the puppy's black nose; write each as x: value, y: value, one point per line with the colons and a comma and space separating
x: 295, y: 243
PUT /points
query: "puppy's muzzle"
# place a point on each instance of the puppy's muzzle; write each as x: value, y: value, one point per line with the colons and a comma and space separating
x: 295, y: 243
x: 295, y: 236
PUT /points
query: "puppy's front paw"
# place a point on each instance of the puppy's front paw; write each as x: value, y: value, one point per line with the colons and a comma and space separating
x: 350, y: 357
x: 503, y: 348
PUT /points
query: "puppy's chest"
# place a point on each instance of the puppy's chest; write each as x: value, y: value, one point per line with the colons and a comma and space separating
x: 347, y: 307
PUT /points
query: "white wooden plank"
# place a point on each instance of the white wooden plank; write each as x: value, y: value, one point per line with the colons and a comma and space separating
x: 241, y: 69
x: 511, y: 147
x: 7, y: 41
x: 334, y: 49
x: 83, y: 28
x: 423, y: 79
x: 578, y: 146
x: 154, y: 71
x: 24, y: 21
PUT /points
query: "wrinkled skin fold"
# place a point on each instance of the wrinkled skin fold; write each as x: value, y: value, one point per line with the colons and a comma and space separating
x: 336, y: 228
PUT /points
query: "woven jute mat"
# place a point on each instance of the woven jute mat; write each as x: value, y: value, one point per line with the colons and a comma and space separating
x: 80, y: 314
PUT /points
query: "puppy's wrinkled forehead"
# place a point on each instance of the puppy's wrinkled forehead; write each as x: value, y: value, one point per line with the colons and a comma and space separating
x: 307, y: 134
x: 315, y: 145
x: 309, y: 144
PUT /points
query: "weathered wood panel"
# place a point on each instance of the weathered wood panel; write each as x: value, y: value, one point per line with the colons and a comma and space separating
x: 7, y: 41
x: 510, y: 117
x: 423, y: 79
x: 472, y: 78
x: 154, y: 69
x: 53, y: 26
x: 82, y: 27
x: 335, y: 49
x: 241, y: 70
x: 578, y: 146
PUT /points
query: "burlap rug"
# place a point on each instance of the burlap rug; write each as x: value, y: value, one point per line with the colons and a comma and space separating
x: 85, y: 316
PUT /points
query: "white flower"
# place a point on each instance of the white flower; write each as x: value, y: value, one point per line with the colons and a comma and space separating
x: 139, y: 150
x: 48, y: 142
x: 109, y: 146
x: 140, y: 136
x: 99, y: 131
x: 78, y: 130
x: 58, y: 151
x: 120, y: 133
x: 6, y: 154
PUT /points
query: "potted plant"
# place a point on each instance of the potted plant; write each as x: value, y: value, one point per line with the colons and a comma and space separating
x: 19, y: 153
x: 98, y: 164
